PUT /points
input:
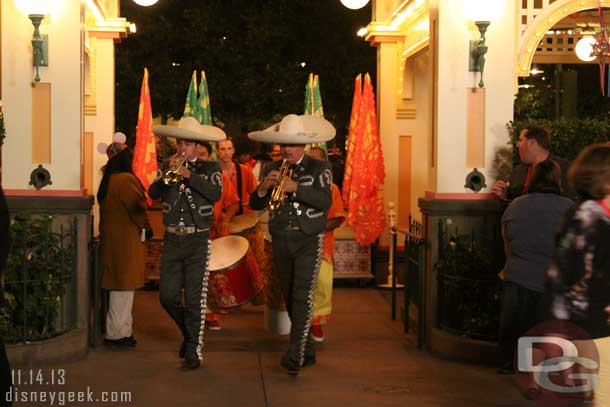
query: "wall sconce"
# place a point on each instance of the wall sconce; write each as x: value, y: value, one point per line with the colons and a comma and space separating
x: 36, y: 10
x: 482, y: 12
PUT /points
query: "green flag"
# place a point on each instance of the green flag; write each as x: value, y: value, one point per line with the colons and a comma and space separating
x: 203, y: 113
x: 190, y: 106
x: 313, y: 100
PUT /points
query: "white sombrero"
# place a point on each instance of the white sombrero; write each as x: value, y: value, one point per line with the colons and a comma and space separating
x: 190, y: 129
x: 295, y: 129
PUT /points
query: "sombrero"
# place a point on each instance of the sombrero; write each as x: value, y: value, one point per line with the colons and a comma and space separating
x: 295, y: 129
x: 189, y: 128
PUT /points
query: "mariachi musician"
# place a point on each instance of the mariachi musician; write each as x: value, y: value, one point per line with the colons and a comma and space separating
x: 188, y: 187
x: 297, y: 190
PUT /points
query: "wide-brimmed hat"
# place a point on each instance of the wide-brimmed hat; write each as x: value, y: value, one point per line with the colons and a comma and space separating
x: 295, y: 129
x: 189, y: 128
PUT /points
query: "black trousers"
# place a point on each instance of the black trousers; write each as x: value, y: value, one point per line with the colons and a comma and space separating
x: 5, y: 377
x: 184, y: 264
x: 521, y: 310
x: 297, y: 257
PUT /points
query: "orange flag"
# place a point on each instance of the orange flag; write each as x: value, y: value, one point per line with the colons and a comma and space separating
x: 352, y: 136
x: 145, y: 156
x: 366, y: 212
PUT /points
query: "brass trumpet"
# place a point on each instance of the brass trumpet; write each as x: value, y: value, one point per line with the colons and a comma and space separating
x: 171, y: 176
x: 276, y: 201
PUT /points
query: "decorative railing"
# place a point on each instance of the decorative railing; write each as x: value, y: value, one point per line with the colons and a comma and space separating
x: 468, y: 287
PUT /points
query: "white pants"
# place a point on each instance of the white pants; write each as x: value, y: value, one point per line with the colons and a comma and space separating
x: 119, y: 320
x: 602, y: 392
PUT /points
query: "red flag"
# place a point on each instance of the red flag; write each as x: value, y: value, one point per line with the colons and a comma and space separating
x: 145, y: 156
x: 366, y: 212
x: 352, y: 136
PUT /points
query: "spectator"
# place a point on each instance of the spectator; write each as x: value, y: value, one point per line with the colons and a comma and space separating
x: 122, y: 218
x: 580, y: 274
x: 6, y: 383
x: 534, y: 147
x: 529, y: 227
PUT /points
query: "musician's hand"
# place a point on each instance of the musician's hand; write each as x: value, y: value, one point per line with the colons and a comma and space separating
x: 290, y: 185
x: 185, y: 172
x: 499, y: 189
x: 269, y: 182
x: 173, y: 161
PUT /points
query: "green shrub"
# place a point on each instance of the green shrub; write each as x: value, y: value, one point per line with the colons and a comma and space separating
x: 568, y: 135
x: 39, y: 270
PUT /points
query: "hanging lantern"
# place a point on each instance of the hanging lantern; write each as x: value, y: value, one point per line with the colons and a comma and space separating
x: 145, y: 3
x: 354, y: 4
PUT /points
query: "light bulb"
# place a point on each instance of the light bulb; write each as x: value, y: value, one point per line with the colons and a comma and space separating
x: 145, y: 3
x: 354, y: 4
x: 584, y: 47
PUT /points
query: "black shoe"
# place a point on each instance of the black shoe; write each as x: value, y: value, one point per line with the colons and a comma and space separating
x: 127, y: 342
x: 290, y: 365
x: 309, y: 360
x: 507, y: 368
x: 182, y: 350
x: 191, y: 363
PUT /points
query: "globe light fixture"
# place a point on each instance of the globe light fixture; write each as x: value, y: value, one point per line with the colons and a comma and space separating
x: 584, y: 48
x: 145, y: 3
x: 354, y: 4
x: 36, y: 10
x: 482, y: 12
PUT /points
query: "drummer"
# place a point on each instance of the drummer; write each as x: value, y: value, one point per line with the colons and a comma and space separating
x: 240, y: 175
x: 243, y: 180
x: 188, y: 187
x: 224, y: 211
x: 298, y: 226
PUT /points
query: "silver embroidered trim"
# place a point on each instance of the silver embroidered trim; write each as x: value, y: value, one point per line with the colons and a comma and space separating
x: 312, y: 213
x: 310, y: 296
x: 306, y: 180
x: 326, y: 178
x: 206, y: 210
x: 204, y: 299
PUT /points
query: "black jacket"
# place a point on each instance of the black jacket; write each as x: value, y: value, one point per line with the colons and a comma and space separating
x: 202, y: 189
x: 519, y: 174
x: 308, y: 205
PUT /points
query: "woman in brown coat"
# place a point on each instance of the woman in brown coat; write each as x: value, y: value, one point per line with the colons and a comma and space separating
x: 122, y: 219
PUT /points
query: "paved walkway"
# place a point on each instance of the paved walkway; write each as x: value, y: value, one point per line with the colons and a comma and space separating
x: 365, y: 361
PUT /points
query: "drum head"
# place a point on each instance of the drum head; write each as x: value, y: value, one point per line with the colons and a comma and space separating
x: 243, y: 222
x: 227, y: 251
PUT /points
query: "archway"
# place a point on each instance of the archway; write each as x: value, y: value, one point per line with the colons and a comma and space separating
x: 541, y: 24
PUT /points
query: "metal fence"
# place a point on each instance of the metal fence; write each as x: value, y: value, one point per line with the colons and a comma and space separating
x: 469, y: 290
x: 40, y: 278
x: 414, y: 301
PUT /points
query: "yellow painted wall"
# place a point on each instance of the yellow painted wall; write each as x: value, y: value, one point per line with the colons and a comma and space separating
x: 64, y: 73
x: 418, y: 128
x: 102, y: 123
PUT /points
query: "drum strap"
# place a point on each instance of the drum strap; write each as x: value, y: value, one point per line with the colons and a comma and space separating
x: 239, y: 187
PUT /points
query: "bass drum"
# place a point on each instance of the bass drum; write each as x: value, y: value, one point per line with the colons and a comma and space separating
x: 234, y: 278
x: 243, y: 224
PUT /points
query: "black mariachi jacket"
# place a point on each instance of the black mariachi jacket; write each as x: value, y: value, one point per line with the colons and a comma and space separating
x: 201, y: 190
x: 310, y: 202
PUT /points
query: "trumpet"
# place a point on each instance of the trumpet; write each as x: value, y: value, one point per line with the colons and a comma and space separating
x: 276, y: 201
x: 171, y: 176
